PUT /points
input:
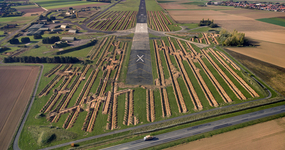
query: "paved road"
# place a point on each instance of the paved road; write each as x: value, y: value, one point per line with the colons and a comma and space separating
x: 15, y: 144
x: 187, y: 132
x: 139, y: 69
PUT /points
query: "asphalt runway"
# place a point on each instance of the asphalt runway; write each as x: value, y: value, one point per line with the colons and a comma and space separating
x: 139, y: 68
x: 187, y: 132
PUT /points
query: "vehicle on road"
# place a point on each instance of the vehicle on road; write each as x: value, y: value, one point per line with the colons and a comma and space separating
x: 148, y: 137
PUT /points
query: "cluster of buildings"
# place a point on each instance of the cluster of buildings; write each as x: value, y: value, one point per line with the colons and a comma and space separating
x: 38, y: 29
x: 277, y: 7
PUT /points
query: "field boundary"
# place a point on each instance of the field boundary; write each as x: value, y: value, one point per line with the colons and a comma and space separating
x: 20, y: 127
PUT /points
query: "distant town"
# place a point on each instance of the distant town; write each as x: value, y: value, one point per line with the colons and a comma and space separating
x: 269, y: 6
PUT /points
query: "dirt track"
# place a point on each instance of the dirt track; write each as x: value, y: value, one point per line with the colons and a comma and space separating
x: 263, y: 136
x: 17, y: 83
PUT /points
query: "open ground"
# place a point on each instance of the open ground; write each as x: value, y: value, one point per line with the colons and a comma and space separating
x: 263, y: 136
x: 17, y: 83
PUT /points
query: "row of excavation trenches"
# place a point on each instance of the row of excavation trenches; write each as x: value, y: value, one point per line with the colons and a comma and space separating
x: 189, y: 56
x: 172, y: 60
x: 114, y: 20
x: 110, y: 66
x: 157, y: 20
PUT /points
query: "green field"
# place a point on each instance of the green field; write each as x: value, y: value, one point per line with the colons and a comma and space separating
x: 52, y: 4
x: 127, y: 5
x: 276, y: 21
x: 6, y: 20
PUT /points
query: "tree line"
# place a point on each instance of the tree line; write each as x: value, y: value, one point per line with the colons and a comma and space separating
x: 32, y: 59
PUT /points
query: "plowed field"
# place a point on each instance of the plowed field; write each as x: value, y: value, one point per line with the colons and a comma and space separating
x: 17, y: 83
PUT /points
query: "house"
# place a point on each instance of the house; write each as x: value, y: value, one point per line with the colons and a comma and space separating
x: 72, y: 31
x: 55, y: 21
x: 63, y: 26
x: 68, y: 13
x: 69, y: 39
x: 43, y: 29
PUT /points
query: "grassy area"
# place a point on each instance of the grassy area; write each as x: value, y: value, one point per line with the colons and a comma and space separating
x: 159, y: 1
x: 51, y: 4
x: 276, y: 21
x: 152, y: 5
x: 127, y: 5
x: 20, y: 19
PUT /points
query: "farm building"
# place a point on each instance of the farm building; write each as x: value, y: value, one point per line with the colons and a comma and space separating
x: 72, y: 31
x: 68, y: 39
x: 56, y: 30
x: 63, y: 26
x: 55, y: 21
x: 37, y: 32
x: 43, y: 29
x: 35, y: 27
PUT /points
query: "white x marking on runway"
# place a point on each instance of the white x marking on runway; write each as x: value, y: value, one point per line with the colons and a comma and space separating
x: 140, y: 58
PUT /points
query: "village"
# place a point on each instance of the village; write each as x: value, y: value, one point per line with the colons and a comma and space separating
x: 269, y: 6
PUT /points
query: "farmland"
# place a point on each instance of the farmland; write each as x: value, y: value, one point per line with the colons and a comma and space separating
x: 276, y: 21
x: 114, y: 20
x: 52, y: 4
x: 17, y: 83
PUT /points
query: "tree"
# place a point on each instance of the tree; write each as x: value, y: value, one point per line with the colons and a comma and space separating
x: 46, y: 40
x: 14, y: 41
x: 37, y: 36
x: 25, y: 40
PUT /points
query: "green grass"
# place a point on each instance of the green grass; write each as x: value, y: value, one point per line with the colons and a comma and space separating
x: 164, y: 66
x: 140, y: 104
x: 25, y: 7
x: 11, y: 20
x: 276, y: 21
x: 51, y: 4
x: 152, y: 5
x: 128, y: 5
x: 165, y: 1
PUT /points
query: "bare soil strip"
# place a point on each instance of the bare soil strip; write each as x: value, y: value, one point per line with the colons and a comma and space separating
x: 20, y: 80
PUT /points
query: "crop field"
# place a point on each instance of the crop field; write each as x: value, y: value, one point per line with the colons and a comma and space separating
x: 276, y: 21
x: 17, y: 83
x: 114, y: 20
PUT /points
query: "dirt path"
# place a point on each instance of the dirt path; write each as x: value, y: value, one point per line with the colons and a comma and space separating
x: 263, y: 136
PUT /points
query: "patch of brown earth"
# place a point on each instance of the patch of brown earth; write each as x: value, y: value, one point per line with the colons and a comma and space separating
x: 268, y: 52
x: 16, y: 86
